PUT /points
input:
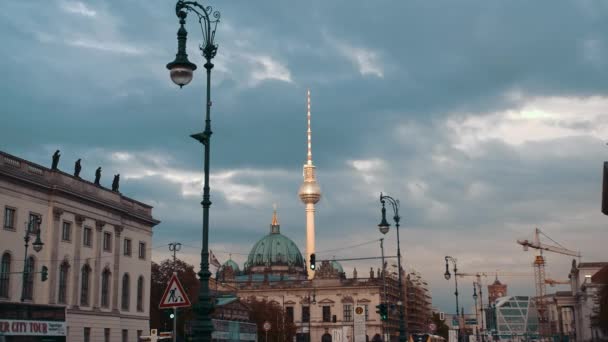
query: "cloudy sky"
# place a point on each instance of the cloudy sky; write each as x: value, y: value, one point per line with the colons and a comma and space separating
x: 485, y: 118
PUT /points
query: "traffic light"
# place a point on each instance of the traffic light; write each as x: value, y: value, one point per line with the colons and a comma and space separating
x: 382, y: 311
x: 313, y: 258
x: 44, y: 273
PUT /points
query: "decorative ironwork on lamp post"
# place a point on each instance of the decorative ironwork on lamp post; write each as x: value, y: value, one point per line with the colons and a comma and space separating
x: 181, y: 71
x: 447, y: 276
x: 32, y: 228
x: 384, y: 227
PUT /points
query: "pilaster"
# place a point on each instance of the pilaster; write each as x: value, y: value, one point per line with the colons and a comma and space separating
x: 97, y: 268
x: 76, y: 266
x: 54, y: 249
x: 116, y: 275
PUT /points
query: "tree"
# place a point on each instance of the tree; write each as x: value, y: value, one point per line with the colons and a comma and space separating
x: 262, y: 311
x: 442, y: 328
x: 161, y: 274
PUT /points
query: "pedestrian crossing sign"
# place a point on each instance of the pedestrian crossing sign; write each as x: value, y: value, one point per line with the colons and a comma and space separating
x: 174, y: 296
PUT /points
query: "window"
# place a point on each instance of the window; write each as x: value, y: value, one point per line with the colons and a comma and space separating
x: 9, y: 217
x: 34, y: 222
x: 87, y: 237
x: 142, y: 250
x: 66, y: 231
x: 127, y: 247
x: 367, y: 312
x: 289, y: 314
x: 63, y: 282
x: 87, y: 334
x: 125, y: 292
x: 84, y: 285
x: 327, y: 314
x: 106, y: 334
x: 140, y: 293
x: 107, y: 241
x: 28, y: 289
x: 105, y: 288
x: 306, y: 314
x: 139, y: 333
x: 348, y: 313
x: 5, y: 275
x: 125, y: 335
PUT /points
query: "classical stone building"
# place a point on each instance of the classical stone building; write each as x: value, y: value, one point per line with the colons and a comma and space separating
x: 275, y: 271
x: 96, y: 248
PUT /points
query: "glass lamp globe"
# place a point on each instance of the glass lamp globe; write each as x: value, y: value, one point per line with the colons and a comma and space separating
x: 181, y: 74
x: 447, y: 275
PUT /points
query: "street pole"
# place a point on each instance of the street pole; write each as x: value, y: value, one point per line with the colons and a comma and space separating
x: 476, y: 310
x: 174, y: 324
x: 37, y: 245
x: 175, y: 247
x: 181, y: 70
x: 385, y: 330
x: 483, y: 326
x: 384, y: 227
x: 447, y: 277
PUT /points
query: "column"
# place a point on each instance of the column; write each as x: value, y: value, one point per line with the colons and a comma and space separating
x: 76, y: 266
x: 116, y: 275
x: 54, y: 249
x: 97, y: 268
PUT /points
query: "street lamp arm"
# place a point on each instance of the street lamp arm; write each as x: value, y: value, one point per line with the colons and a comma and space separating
x: 394, y: 203
x: 206, y: 18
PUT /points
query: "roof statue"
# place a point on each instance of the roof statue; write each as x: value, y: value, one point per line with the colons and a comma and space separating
x: 56, y: 157
x: 77, y: 168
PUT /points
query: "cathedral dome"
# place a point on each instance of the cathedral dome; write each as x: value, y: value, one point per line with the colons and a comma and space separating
x: 275, y: 253
x: 232, y: 264
x: 337, y: 266
x: 275, y: 249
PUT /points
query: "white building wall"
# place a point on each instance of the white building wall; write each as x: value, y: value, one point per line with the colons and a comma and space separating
x: 100, y: 210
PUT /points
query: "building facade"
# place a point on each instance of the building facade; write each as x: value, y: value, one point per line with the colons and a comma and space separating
x: 96, y: 249
x: 419, y: 311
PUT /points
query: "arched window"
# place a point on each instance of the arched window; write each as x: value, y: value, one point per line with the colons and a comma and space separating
x: 105, y: 288
x: 28, y: 288
x: 84, y: 285
x: 5, y: 275
x: 125, y: 292
x: 140, y: 293
x: 63, y: 282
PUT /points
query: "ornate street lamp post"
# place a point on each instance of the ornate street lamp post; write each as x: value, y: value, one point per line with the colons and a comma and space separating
x: 476, y: 312
x: 32, y: 228
x: 181, y: 71
x: 384, y: 227
x: 447, y: 276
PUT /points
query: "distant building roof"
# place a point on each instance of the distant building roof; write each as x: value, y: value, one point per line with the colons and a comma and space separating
x: 592, y: 264
x: 601, y: 276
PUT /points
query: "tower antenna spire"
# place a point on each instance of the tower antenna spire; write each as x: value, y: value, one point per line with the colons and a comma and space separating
x: 309, y: 131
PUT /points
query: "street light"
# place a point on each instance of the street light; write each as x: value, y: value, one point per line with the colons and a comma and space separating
x: 447, y: 276
x: 33, y: 227
x: 384, y: 227
x: 476, y: 312
x: 181, y: 72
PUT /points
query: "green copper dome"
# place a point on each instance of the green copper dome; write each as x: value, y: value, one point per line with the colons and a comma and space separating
x: 337, y: 266
x: 275, y: 249
x: 231, y: 263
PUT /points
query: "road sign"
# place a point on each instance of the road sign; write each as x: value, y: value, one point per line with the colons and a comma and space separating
x: 174, y: 295
x: 267, y: 326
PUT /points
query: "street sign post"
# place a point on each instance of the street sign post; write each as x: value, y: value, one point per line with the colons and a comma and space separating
x: 154, y: 337
x: 359, y: 324
x: 174, y: 297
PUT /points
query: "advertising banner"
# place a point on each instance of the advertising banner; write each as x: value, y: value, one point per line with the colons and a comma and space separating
x: 9, y: 327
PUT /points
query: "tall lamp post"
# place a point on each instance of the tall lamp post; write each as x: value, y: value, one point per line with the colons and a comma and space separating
x: 476, y: 311
x: 482, y: 314
x: 181, y: 71
x: 384, y: 227
x: 32, y: 228
x: 447, y: 276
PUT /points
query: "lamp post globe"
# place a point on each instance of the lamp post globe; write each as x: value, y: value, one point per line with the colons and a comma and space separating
x: 447, y: 275
x: 38, y: 244
x: 384, y: 226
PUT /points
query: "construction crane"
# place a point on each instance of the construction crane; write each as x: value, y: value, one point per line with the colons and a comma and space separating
x: 539, y: 274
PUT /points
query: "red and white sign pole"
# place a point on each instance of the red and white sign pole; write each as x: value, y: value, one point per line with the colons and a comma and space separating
x: 174, y: 297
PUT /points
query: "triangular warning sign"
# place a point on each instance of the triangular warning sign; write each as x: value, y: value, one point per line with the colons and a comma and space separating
x: 174, y: 295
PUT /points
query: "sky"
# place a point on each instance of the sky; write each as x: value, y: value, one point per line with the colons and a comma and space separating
x: 486, y: 119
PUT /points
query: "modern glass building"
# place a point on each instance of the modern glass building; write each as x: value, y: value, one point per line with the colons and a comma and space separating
x: 514, y: 318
